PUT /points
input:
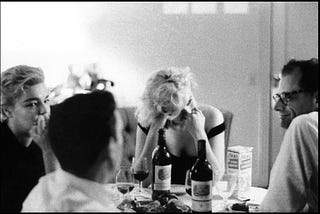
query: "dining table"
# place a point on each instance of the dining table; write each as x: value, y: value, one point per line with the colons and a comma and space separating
x: 254, y: 199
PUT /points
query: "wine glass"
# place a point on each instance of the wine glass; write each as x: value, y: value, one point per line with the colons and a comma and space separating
x: 187, y: 183
x: 140, y: 171
x: 225, y: 186
x: 124, y: 181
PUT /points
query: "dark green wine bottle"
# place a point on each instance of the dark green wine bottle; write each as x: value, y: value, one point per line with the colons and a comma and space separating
x: 201, y: 182
x: 161, y: 167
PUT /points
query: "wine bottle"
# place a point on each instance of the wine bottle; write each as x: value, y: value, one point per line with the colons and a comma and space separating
x: 201, y: 182
x: 161, y: 165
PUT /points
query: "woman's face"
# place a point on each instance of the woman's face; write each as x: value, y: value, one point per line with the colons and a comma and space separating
x: 28, y: 107
x: 171, y: 111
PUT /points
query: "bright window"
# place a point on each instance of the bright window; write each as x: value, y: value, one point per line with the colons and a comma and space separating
x: 175, y: 8
x: 203, y: 7
x: 235, y: 7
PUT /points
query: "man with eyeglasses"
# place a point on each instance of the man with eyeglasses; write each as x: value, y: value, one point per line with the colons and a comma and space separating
x: 293, y: 185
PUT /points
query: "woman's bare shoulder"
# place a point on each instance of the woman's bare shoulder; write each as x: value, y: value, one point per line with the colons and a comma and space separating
x: 210, y: 110
x: 212, y: 114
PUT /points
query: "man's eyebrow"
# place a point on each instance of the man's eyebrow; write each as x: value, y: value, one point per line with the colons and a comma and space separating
x: 31, y: 99
x: 35, y: 99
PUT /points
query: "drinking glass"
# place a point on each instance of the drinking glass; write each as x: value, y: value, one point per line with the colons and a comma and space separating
x: 124, y: 181
x: 140, y: 171
x: 187, y: 183
x: 225, y: 186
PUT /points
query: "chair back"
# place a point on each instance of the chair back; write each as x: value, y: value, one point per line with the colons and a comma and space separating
x: 228, y: 116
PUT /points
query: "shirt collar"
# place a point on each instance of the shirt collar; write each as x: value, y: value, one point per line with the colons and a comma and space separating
x: 93, y: 189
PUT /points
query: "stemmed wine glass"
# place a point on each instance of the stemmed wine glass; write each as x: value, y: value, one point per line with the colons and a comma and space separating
x: 140, y: 171
x: 187, y: 183
x: 124, y: 181
x: 225, y: 186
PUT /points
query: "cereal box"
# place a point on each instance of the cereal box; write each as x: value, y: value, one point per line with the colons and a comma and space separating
x: 239, y: 161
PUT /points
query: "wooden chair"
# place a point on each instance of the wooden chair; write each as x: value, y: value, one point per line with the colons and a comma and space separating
x: 228, y: 116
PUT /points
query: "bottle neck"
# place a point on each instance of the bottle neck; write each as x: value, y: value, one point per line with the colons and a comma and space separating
x: 161, y: 142
x: 202, y: 150
x: 161, y: 139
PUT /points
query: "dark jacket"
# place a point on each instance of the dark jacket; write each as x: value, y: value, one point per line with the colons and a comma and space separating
x: 21, y: 168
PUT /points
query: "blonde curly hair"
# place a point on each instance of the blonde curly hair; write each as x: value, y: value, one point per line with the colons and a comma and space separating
x: 168, y: 86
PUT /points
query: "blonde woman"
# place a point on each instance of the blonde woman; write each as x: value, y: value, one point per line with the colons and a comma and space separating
x: 25, y: 155
x: 168, y: 102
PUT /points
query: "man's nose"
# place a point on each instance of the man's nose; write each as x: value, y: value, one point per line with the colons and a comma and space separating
x: 43, y: 108
x: 279, y: 105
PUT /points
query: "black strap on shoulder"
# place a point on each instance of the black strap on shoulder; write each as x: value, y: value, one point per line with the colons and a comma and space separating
x: 143, y: 129
x: 213, y: 132
x: 216, y: 130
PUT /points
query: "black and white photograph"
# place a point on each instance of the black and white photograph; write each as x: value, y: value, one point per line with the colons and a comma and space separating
x: 166, y: 106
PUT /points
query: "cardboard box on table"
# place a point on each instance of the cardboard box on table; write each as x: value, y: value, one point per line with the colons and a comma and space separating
x: 239, y: 161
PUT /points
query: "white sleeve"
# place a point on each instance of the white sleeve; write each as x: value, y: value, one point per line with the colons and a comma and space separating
x: 291, y: 171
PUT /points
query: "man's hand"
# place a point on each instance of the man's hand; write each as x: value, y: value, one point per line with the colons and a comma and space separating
x: 40, y: 136
x: 39, y: 133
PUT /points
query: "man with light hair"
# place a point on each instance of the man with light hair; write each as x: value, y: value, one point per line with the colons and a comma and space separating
x: 25, y: 154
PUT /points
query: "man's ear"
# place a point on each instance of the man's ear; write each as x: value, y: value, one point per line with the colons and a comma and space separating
x: 6, y: 111
x: 315, y: 95
x: 316, y: 100
x: 114, y: 152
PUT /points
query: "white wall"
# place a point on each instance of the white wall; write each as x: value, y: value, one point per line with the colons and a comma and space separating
x: 221, y: 49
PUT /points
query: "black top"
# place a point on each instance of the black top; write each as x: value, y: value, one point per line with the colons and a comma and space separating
x: 21, y: 168
x: 181, y: 164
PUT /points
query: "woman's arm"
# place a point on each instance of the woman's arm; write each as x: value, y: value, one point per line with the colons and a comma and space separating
x: 51, y: 162
x: 40, y: 137
x: 214, y: 117
x: 145, y: 144
x: 197, y: 126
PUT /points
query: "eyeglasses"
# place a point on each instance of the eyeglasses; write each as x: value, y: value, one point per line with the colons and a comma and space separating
x: 285, y: 97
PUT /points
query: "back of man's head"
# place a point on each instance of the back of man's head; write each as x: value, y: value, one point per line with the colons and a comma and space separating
x: 308, y: 70
x: 80, y: 128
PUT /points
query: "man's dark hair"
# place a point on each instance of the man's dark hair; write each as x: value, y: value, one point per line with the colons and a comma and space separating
x: 80, y: 128
x: 309, y: 73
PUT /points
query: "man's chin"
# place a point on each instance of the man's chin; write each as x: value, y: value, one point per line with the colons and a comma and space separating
x: 285, y: 124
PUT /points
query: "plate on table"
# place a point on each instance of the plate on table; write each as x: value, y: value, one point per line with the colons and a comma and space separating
x: 177, y: 189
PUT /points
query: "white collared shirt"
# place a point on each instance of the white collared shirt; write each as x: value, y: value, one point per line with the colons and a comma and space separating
x: 294, y: 175
x: 62, y: 191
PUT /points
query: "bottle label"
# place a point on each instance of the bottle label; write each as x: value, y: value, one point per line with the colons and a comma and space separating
x: 162, y: 180
x: 201, y: 196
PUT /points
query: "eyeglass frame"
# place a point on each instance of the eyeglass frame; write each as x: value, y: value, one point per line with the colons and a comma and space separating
x: 286, y: 96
